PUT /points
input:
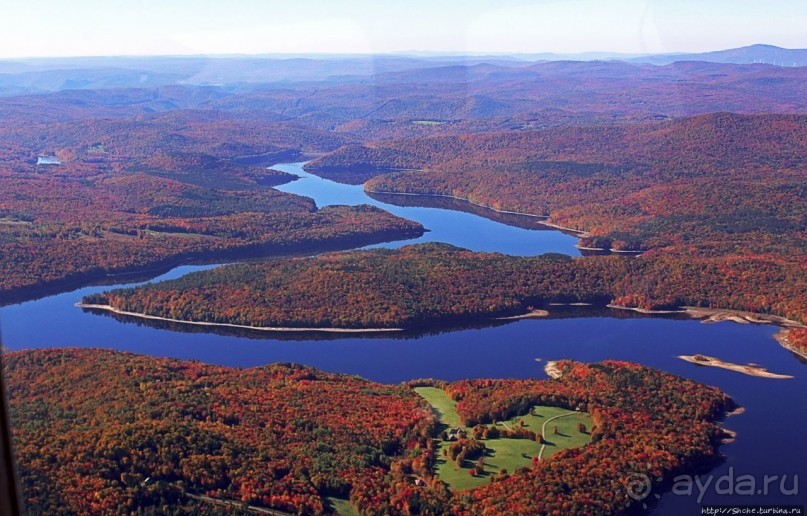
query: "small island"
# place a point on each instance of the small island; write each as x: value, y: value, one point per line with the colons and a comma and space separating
x: 751, y: 370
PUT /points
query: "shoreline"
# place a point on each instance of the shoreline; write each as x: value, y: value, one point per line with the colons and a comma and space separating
x: 544, y: 220
x: 552, y: 370
x: 712, y: 315
x: 236, y: 254
x: 707, y: 315
x: 645, y: 311
x: 608, y: 250
x: 781, y: 338
x: 117, y: 311
x: 532, y: 314
x: 750, y: 370
x: 728, y: 437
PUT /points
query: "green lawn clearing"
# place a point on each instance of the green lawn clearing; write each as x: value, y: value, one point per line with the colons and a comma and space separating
x: 341, y: 506
x: 509, y: 454
x: 445, y: 407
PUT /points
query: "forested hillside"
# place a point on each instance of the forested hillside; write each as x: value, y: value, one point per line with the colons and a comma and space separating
x: 149, y: 176
x: 714, y: 184
x: 150, y: 434
x: 143, y: 193
x: 719, y: 192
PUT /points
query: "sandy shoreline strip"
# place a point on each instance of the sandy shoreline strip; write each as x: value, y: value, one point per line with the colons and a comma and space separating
x: 643, y: 311
x: 745, y: 369
x: 532, y: 314
x: 738, y: 316
x: 710, y: 315
x: 782, y: 338
x: 238, y: 326
x: 552, y: 369
x: 728, y: 437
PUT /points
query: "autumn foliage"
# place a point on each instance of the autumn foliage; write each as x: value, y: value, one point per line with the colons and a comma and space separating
x: 145, y: 431
x: 439, y: 284
x: 108, y: 432
x: 138, y: 194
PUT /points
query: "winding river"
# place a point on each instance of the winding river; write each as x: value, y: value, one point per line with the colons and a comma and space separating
x: 769, y: 432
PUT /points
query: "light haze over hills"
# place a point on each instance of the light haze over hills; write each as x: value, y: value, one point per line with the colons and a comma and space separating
x: 42, y: 75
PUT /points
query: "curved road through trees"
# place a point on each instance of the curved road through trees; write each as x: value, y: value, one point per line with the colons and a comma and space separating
x: 543, y: 432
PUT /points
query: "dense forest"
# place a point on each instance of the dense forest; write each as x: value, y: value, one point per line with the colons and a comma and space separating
x: 437, y: 283
x: 713, y: 184
x: 137, y: 194
x: 719, y: 191
x: 151, y: 433
x: 797, y: 338
x: 150, y: 176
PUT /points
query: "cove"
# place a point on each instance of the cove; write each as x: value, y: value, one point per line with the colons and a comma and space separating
x: 514, y: 235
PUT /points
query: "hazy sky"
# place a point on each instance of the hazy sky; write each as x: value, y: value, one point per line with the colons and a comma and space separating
x: 142, y: 27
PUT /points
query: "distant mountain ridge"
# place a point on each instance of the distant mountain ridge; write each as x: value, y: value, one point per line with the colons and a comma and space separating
x: 43, y: 75
x: 761, y: 54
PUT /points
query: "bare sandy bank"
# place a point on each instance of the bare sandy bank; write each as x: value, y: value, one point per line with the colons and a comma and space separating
x: 745, y: 369
x: 532, y: 314
x: 710, y: 315
x: 238, y: 326
x: 782, y: 338
x: 720, y: 314
x: 644, y: 311
x: 729, y: 436
x: 552, y: 369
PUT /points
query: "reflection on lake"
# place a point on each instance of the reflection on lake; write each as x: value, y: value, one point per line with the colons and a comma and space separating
x: 475, y: 228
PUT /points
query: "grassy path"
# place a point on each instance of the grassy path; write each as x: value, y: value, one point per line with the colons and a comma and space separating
x: 543, y: 432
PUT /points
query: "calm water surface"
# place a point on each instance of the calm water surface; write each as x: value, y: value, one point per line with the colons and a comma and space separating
x: 770, y: 432
x: 452, y: 227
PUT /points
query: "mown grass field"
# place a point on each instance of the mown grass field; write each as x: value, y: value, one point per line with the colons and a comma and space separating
x: 509, y: 454
x: 341, y: 506
x: 445, y: 407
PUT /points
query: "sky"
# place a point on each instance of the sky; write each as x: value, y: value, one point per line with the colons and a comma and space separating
x: 56, y: 28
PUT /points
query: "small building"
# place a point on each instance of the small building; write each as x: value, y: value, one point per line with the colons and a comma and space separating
x: 454, y: 434
x: 48, y: 160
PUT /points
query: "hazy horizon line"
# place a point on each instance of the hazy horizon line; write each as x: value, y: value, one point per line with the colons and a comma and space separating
x: 396, y: 53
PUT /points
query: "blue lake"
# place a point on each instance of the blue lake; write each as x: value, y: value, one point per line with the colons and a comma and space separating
x: 769, y: 431
x: 450, y: 226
